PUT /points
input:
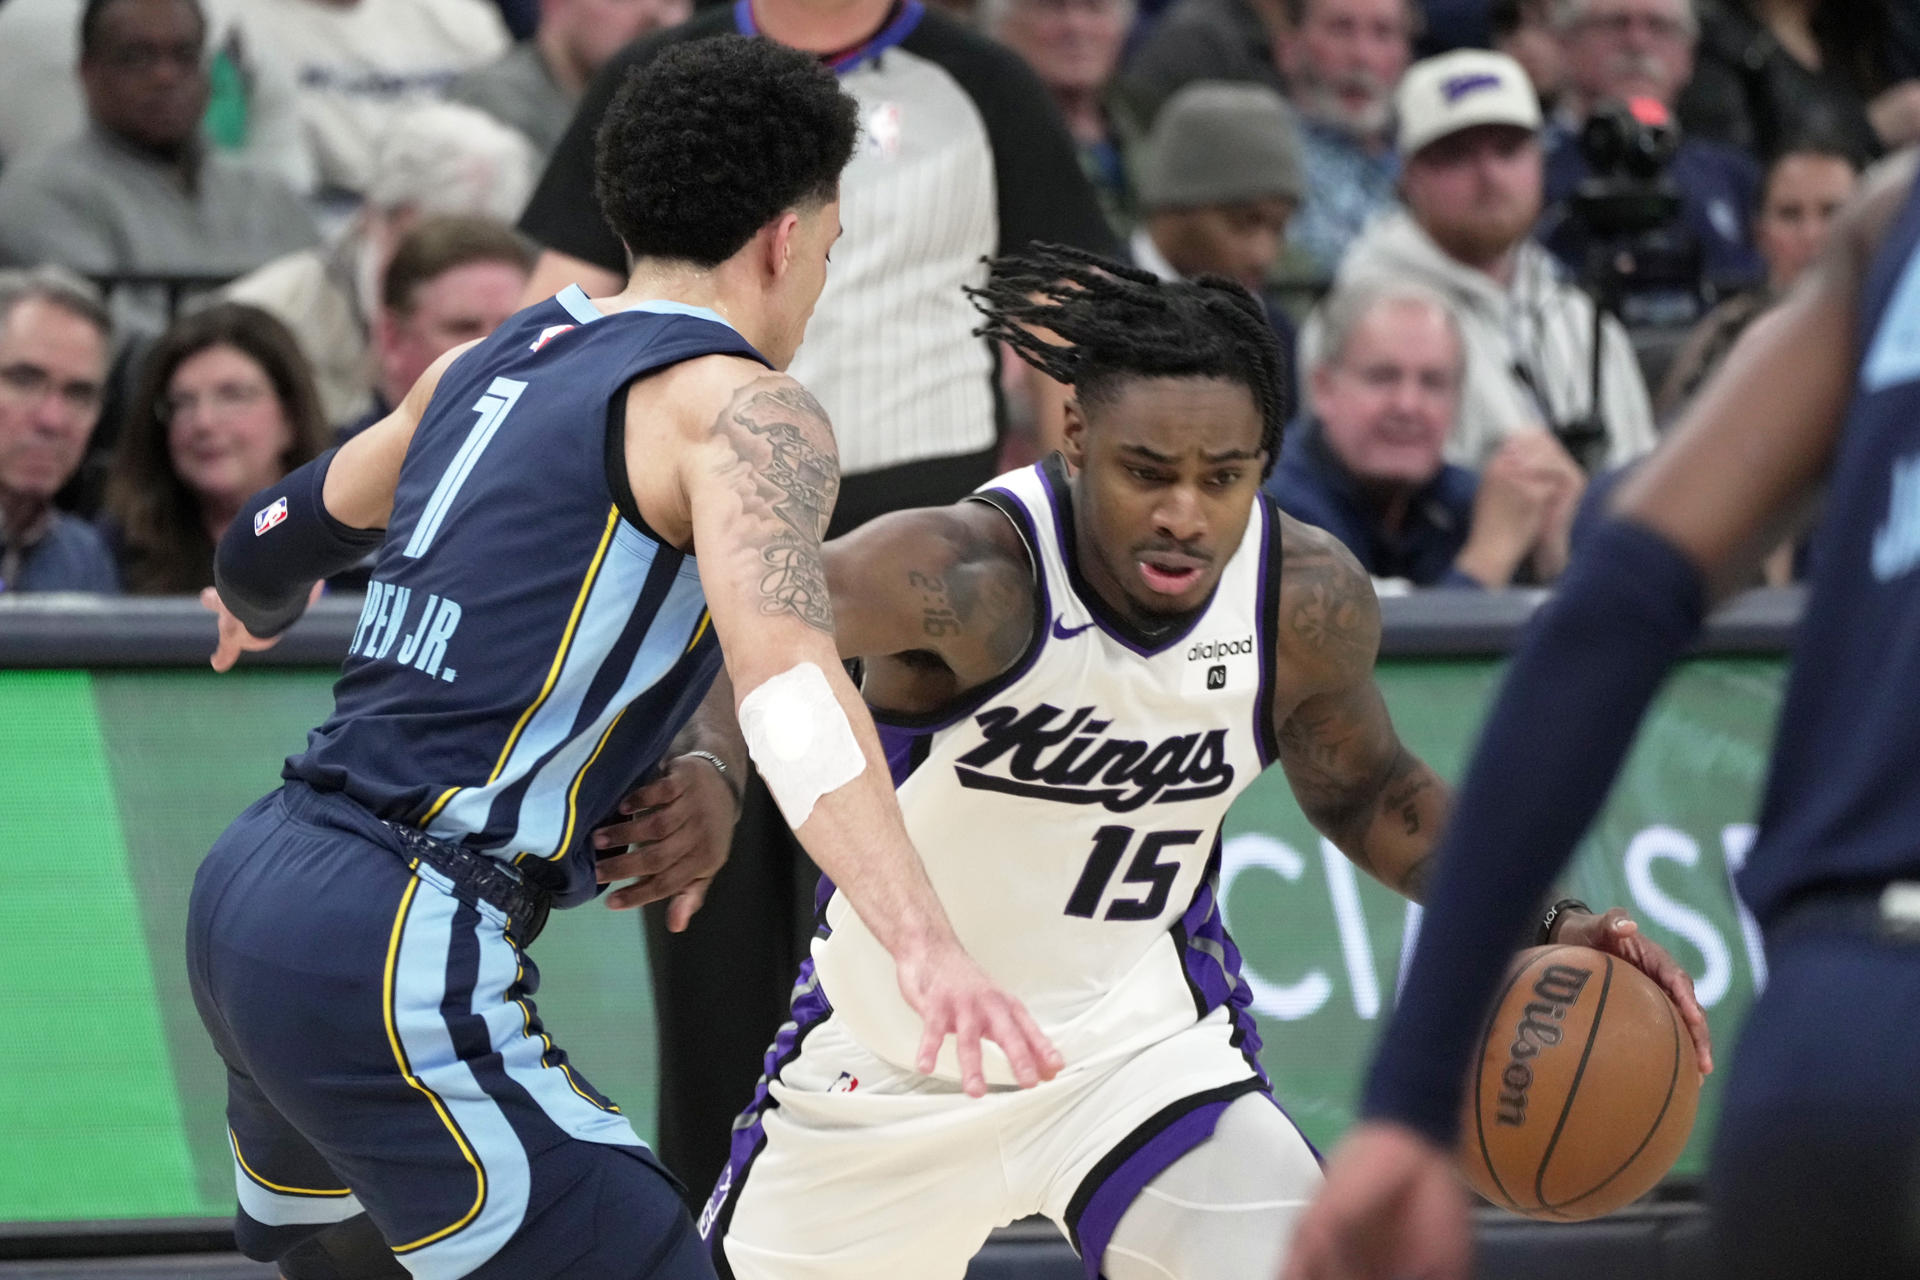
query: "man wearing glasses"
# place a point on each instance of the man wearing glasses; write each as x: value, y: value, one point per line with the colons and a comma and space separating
x: 53, y: 360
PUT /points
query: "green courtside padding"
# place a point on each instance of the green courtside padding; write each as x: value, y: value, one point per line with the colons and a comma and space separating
x: 110, y: 1094
x: 88, y: 1108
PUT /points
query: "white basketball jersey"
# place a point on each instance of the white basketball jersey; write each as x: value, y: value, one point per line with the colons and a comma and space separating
x: 1069, y: 812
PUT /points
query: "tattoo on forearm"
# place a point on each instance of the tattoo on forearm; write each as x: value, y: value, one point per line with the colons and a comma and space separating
x: 1400, y: 797
x: 788, y: 475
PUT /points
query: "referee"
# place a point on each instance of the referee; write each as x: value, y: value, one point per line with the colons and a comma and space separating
x: 962, y: 155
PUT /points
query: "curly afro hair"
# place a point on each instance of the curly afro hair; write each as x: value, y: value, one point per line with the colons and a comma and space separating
x: 1115, y: 323
x: 709, y: 142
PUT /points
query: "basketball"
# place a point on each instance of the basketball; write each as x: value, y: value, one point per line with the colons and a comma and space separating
x: 1584, y: 1088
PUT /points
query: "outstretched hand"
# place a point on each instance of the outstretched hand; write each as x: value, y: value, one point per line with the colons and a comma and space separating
x: 235, y: 639
x: 954, y: 996
x: 1616, y: 933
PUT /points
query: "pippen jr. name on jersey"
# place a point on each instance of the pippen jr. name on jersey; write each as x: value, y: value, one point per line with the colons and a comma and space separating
x: 1073, y: 762
x: 389, y: 613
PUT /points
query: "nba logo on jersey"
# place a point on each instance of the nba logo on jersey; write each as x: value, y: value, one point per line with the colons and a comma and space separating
x: 847, y: 1083
x: 270, y: 515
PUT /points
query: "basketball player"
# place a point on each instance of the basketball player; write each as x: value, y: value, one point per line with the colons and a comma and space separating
x: 1816, y: 1166
x: 1074, y: 675
x: 537, y: 630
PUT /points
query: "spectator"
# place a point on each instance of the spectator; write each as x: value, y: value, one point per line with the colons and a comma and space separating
x: 225, y: 406
x: 437, y: 157
x: 1806, y: 186
x: 452, y: 279
x: 1849, y: 69
x: 1522, y: 30
x: 1469, y: 133
x: 1367, y: 462
x: 1617, y: 50
x: 1074, y: 47
x: 1343, y: 59
x: 361, y: 63
x: 964, y: 154
x: 54, y: 337
x: 138, y: 192
x: 535, y: 85
x: 1205, y: 40
x: 41, y: 102
x: 1220, y: 178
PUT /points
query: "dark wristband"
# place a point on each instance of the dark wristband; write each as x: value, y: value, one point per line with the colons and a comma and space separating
x: 1554, y: 912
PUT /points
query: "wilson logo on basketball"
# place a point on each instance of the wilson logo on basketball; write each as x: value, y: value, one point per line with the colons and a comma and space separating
x: 1557, y: 991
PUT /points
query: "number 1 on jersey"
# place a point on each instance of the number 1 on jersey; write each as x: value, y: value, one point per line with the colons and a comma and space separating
x: 1109, y: 843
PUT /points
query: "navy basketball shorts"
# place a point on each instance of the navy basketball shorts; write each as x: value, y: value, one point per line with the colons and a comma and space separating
x: 384, y: 1057
x: 1816, y: 1164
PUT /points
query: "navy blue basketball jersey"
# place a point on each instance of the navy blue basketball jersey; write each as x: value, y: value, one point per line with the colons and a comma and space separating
x: 528, y: 648
x: 1842, y: 804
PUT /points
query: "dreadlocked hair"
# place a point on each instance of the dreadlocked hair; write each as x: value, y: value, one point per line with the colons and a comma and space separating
x: 1116, y: 323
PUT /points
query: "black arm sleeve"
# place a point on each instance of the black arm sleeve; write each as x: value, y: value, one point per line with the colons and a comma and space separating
x: 1565, y: 717
x: 283, y: 541
x: 1043, y: 193
x: 564, y: 215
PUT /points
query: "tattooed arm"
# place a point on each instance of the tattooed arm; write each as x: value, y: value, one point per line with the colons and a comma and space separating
x: 759, y: 481
x: 1355, y: 780
x: 938, y: 599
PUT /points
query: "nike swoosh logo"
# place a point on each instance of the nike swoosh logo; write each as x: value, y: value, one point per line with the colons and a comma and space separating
x: 1063, y: 633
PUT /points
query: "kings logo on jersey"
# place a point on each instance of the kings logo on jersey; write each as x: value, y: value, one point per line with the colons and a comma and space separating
x: 1051, y: 754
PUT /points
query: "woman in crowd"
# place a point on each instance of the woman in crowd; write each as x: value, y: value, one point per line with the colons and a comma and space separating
x: 225, y: 406
x: 1805, y: 186
x: 1767, y: 70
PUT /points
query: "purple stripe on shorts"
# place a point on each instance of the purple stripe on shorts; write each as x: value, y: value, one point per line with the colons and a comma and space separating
x: 808, y: 1010
x: 1121, y: 1186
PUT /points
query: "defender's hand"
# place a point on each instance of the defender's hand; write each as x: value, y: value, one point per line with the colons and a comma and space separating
x: 954, y: 996
x: 1616, y: 934
x: 672, y: 839
x: 235, y: 639
x: 1393, y: 1208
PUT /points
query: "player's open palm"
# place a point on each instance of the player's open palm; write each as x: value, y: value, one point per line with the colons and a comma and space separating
x: 954, y: 997
x: 1393, y: 1208
x: 1615, y: 933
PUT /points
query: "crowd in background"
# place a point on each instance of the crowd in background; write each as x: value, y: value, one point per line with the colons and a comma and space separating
x: 233, y: 232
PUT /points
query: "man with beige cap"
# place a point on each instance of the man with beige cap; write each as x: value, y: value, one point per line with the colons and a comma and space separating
x: 1471, y: 185
x: 1219, y: 177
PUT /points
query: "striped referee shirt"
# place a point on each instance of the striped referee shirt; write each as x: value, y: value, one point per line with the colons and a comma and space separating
x: 961, y: 155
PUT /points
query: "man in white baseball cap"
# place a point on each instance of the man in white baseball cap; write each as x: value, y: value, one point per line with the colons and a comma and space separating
x: 1471, y: 183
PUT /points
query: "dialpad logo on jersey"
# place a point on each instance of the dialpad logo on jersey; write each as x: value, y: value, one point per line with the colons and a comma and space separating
x: 1051, y: 754
x: 389, y: 612
x: 1217, y: 665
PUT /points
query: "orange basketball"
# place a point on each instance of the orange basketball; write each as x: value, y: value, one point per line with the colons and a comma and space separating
x: 1584, y: 1089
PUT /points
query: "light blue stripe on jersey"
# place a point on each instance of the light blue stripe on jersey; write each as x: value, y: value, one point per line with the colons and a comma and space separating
x: 523, y: 1055
x: 419, y: 987
x: 544, y: 809
x: 609, y: 608
x: 574, y: 299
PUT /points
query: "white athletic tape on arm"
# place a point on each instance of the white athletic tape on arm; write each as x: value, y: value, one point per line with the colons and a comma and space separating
x: 800, y: 740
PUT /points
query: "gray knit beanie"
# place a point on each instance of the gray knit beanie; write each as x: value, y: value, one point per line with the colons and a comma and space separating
x: 1216, y: 142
